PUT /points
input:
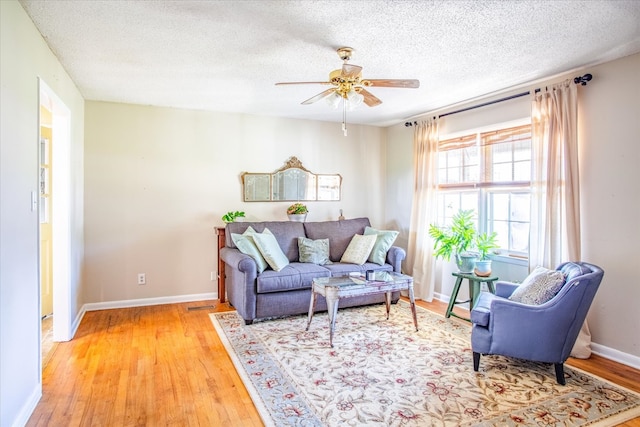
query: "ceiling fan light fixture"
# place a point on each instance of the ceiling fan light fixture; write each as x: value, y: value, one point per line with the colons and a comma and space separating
x: 333, y: 100
x: 354, y: 99
x: 348, y: 86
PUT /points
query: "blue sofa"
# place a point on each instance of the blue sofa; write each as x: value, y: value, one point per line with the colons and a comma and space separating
x: 288, y: 291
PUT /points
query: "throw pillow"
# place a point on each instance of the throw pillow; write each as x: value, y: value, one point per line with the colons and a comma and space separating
x: 384, y: 240
x: 314, y: 251
x: 247, y: 246
x: 270, y: 250
x: 539, y: 287
x: 359, y: 249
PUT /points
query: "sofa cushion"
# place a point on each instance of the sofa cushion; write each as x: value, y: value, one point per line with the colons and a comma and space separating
x: 246, y: 245
x: 286, y: 232
x: 359, y: 249
x: 314, y: 251
x: 539, y: 286
x: 293, y: 276
x: 270, y: 250
x: 339, y: 233
x: 385, y: 239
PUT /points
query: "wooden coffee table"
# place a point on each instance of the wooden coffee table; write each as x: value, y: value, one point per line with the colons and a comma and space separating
x: 335, y: 288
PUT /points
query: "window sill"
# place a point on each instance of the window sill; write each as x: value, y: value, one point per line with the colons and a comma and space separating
x: 507, y: 259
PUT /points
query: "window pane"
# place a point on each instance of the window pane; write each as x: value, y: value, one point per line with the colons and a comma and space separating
x: 520, y: 207
x: 501, y: 153
x: 442, y: 176
x: 454, y: 158
x: 502, y: 172
x: 470, y: 201
x: 519, y: 237
x: 499, y: 206
x: 522, y: 150
x: 502, y: 228
x: 471, y: 174
x: 522, y: 171
x: 451, y: 206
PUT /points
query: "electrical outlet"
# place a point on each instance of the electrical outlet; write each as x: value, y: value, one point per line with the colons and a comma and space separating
x: 142, y: 279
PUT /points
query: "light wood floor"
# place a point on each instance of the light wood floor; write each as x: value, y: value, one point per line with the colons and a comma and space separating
x: 165, y: 365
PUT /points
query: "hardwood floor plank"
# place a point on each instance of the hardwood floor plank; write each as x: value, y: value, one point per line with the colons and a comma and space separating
x: 166, y: 365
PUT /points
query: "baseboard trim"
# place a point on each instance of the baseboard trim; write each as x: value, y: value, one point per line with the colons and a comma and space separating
x: 29, y: 406
x: 599, y: 349
x: 108, y: 305
x: 76, y: 323
x: 616, y: 355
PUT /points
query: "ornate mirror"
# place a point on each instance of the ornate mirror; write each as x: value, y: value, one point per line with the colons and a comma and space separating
x: 292, y: 182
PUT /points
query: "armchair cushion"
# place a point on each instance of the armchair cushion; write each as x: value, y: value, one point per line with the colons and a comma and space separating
x: 539, y: 286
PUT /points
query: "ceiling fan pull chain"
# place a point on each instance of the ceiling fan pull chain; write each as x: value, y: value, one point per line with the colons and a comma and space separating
x: 344, y: 116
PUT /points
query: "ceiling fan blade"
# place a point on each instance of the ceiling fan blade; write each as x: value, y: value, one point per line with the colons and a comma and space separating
x: 409, y: 83
x: 319, y: 96
x: 303, y: 83
x: 370, y: 99
x: 350, y: 70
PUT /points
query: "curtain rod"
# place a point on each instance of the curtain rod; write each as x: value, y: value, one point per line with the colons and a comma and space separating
x: 582, y: 80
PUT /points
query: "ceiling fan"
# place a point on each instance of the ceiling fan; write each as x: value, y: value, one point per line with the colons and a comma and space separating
x: 348, y: 86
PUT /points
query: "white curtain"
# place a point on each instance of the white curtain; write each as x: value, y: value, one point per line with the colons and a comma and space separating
x: 555, y: 198
x: 420, y: 260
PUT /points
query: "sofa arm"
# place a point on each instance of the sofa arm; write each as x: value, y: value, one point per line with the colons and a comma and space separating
x: 395, y: 256
x: 239, y: 261
x: 241, y: 274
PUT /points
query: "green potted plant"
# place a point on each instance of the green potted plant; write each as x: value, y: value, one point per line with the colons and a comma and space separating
x: 456, y: 240
x: 232, y: 216
x: 297, y: 212
x: 484, y: 243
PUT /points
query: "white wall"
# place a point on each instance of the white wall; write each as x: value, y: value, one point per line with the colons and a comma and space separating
x: 24, y: 57
x: 609, y: 125
x: 158, y: 181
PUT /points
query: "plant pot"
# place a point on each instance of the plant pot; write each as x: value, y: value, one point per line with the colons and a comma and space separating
x: 297, y: 217
x: 483, y: 268
x: 466, y: 262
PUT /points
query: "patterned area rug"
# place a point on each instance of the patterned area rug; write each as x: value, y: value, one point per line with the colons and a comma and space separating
x: 384, y: 373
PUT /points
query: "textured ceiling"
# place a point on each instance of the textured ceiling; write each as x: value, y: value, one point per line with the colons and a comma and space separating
x: 227, y: 55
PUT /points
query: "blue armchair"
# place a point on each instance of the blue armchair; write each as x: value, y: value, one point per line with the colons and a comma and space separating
x: 542, y: 333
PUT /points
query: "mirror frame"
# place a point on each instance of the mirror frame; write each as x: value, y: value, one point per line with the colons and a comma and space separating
x: 259, y: 187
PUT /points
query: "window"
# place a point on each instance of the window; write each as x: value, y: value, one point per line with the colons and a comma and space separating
x: 489, y: 172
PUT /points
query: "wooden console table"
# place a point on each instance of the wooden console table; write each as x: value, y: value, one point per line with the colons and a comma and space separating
x: 222, y: 291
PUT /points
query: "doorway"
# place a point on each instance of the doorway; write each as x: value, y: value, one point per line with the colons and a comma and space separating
x: 46, y: 244
x: 54, y: 207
